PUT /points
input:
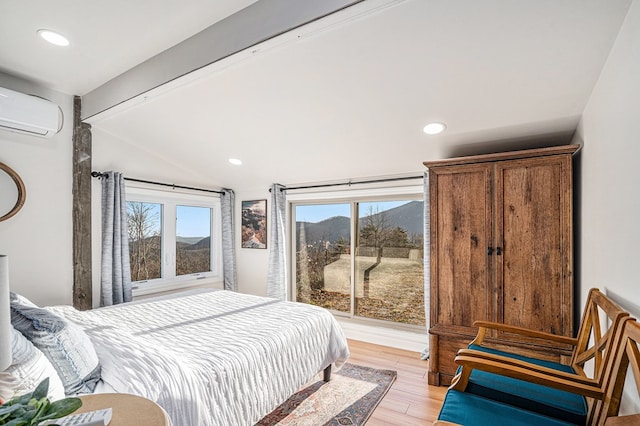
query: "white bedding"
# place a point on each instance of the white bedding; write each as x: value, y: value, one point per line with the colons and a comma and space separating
x: 212, y: 358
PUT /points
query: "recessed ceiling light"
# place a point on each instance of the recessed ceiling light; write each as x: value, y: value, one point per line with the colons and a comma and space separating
x: 53, y: 37
x: 434, y: 128
x: 235, y: 161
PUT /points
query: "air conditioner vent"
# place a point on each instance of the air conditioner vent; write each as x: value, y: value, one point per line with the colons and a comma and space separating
x: 28, y: 114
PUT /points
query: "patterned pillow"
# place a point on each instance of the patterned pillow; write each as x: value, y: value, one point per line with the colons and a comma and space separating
x: 21, y: 300
x: 64, y: 343
x: 28, y: 368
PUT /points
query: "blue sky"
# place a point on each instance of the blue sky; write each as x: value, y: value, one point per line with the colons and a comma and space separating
x: 190, y: 221
x: 319, y: 212
x: 196, y: 222
x: 193, y: 221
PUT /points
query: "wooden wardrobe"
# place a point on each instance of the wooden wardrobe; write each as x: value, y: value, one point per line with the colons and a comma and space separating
x: 501, y: 249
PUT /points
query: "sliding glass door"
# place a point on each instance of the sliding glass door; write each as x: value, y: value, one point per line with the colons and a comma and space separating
x: 363, y: 258
x: 323, y: 261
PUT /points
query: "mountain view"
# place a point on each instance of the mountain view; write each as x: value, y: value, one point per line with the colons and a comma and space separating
x: 188, y: 240
x: 386, y: 281
x: 408, y: 216
x: 193, y: 243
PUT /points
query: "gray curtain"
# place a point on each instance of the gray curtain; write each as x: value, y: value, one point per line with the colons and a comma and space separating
x: 116, y: 273
x: 427, y: 260
x: 6, y: 352
x: 277, y: 275
x: 227, y: 202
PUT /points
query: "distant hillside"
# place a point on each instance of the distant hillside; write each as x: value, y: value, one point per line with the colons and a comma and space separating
x: 408, y: 216
x: 188, y: 240
x: 198, y: 243
x: 327, y: 230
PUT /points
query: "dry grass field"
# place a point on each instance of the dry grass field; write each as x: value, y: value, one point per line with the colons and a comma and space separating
x: 393, y: 290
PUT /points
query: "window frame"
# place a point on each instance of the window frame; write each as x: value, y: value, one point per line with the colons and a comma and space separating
x: 170, y: 199
x: 350, y: 196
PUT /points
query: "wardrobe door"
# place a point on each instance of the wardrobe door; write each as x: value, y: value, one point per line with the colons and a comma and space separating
x: 533, y: 243
x: 460, y: 237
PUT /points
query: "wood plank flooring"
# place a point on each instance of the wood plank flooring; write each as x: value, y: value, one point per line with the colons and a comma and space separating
x: 410, y: 401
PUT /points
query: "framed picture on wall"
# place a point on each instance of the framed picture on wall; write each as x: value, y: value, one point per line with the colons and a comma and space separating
x: 254, y: 224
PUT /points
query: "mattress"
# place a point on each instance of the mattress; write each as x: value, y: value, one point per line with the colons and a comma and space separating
x: 214, y: 357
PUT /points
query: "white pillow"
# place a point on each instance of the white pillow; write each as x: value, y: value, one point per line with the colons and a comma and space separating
x: 30, y: 367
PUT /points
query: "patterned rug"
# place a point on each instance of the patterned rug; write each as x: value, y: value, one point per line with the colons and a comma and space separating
x: 347, y: 400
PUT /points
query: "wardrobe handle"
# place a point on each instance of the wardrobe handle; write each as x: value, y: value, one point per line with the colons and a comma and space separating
x: 489, y: 251
x: 498, y: 251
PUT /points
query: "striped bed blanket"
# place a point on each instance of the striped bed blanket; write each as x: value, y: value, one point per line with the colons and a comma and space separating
x: 212, y: 357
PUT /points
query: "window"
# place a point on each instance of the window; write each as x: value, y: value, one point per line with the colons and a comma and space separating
x: 193, y: 240
x: 323, y: 248
x: 144, y: 221
x: 174, y: 239
x: 362, y: 257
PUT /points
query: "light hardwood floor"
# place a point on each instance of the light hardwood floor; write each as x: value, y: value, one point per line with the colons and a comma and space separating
x: 410, y: 401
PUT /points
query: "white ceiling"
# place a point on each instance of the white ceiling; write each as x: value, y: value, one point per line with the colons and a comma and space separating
x: 106, y: 37
x: 341, y: 101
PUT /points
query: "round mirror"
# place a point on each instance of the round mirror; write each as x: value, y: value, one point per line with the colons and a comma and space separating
x: 13, y: 192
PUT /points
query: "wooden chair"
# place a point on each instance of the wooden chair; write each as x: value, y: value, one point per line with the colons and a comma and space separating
x: 627, y: 355
x: 590, y: 342
x: 473, y: 410
x: 562, y: 391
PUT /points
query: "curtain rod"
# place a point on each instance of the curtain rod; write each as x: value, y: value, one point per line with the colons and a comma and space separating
x: 325, y: 185
x: 100, y: 175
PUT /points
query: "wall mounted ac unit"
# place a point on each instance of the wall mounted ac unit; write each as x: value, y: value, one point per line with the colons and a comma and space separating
x: 29, y: 114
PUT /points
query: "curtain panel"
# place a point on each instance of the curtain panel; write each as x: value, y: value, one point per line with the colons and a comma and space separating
x: 227, y: 203
x: 115, y: 278
x: 277, y: 273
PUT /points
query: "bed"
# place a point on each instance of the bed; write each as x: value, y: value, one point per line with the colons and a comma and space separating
x: 207, y: 357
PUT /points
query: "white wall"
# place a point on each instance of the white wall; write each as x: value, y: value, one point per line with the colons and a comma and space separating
x: 38, y: 240
x: 252, y: 264
x: 139, y: 161
x: 609, y: 205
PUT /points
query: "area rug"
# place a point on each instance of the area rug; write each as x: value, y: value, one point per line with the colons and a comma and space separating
x: 347, y: 400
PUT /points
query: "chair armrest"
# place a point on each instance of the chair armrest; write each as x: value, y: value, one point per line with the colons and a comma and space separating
x: 632, y: 419
x: 483, y: 326
x: 504, y: 366
x: 530, y: 367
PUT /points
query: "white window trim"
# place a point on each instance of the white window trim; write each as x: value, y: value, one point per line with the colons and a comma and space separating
x: 334, y: 195
x: 170, y: 199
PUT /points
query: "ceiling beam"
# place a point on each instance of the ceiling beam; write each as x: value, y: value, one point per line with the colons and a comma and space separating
x: 259, y: 22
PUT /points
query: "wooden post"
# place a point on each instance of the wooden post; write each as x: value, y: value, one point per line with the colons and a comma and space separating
x: 82, y: 287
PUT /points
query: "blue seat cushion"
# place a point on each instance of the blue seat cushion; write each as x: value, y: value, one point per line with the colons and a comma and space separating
x: 541, y: 399
x: 540, y: 362
x: 472, y: 410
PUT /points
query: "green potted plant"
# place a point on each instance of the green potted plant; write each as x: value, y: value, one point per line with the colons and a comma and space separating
x: 33, y: 408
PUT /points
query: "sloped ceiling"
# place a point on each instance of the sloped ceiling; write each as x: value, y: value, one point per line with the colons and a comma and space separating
x: 106, y: 38
x: 348, y: 100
